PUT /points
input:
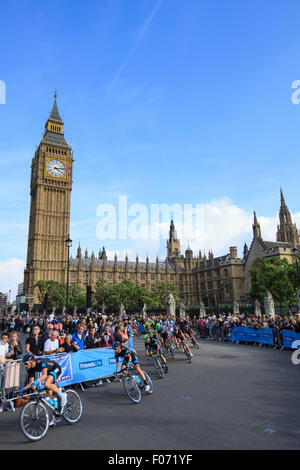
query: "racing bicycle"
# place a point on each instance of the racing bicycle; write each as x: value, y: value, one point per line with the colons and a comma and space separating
x: 38, y: 414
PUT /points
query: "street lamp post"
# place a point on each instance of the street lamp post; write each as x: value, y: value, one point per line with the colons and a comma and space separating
x: 68, y: 245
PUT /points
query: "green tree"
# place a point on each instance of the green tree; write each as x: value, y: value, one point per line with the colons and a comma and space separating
x: 77, y: 296
x: 130, y: 295
x: 279, y: 277
x: 56, y: 293
x: 163, y: 289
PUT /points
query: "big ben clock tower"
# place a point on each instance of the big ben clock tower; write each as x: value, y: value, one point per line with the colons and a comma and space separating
x: 49, y: 222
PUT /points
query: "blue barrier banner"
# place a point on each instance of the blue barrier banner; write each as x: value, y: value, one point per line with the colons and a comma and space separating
x: 289, y: 337
x: 66, y: 368
x: 262, y: 335
x: 91, y: 365
x: 86, y: 365
x: 141, y: 328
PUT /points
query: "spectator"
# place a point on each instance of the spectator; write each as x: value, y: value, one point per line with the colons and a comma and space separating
x: 106, y: 338
x: 67, y: 346
x: 79, y: 336
x: 91, y: 340
x: 34, y: 343
x: 15, y: 347
x: 51, y: 346
x: 4, y: 347
x: 120, y: 335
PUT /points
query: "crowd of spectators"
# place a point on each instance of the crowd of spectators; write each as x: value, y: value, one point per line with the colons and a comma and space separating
x: 220, y: 327
x: 55, y: 334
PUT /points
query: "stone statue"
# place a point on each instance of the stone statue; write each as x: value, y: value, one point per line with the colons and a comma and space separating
x: 121, y: 311
x: 171, y: 306
x: 144, y: 311
x: 182, y: 310
x: 103, y: 308
x: 75, y: 310
x: 257, y: 308
x: 202, y: 310
x: 269, y: 305
x: 236, y: 308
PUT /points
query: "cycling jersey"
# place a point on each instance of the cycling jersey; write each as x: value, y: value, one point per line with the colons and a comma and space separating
x: 52, y: 367
x: 165, y: 336
x: 125, y: 354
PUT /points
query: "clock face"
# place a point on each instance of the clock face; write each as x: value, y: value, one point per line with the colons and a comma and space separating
x: 56, y: 168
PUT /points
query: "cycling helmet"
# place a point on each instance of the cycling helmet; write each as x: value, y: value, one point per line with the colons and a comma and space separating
x: 28, y: 357
x: 116, y: 345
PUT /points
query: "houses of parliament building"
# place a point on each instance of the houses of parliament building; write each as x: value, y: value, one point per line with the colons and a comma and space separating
x: 212, y: 280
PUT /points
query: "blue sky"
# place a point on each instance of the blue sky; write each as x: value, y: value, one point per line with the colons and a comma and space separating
x: 163, y: 101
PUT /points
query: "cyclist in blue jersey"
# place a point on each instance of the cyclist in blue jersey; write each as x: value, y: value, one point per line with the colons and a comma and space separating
x: 50, y: 372
x: 128, y: 356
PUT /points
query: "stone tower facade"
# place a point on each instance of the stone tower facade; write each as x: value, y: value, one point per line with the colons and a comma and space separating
x: 50, y: 192
x: 286, y: 230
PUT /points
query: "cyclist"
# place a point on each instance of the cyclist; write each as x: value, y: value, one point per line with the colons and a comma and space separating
x: 50, y: 372
x: 128, y: 356
x: 147, y: 345
x: 189, y: 333
x: 165, y: 337
x: 180, y: 339
x: 154, y: 349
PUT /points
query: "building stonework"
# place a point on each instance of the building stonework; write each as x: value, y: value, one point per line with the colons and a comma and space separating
x: 208, y: 279
x: 49, y: 221
x: 286, y: 246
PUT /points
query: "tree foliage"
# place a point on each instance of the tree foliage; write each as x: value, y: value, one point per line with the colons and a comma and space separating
x: 130, y: 295
x: 57, y: 294
x: 279, y: 277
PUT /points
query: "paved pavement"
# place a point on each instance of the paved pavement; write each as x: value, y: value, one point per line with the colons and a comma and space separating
x: 230, y: 397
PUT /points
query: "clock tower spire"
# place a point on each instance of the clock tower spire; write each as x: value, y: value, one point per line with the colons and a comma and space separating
x: 49, y: 221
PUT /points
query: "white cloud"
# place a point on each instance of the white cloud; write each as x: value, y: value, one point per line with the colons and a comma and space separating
x: 214, y: 226
x: 11, y: 274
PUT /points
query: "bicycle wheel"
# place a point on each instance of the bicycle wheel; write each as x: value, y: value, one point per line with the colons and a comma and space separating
x: 73, y: 409
x: 159, y: 368
x: 132, y: 389
x: 34, y: 421
x: 149, y: 382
